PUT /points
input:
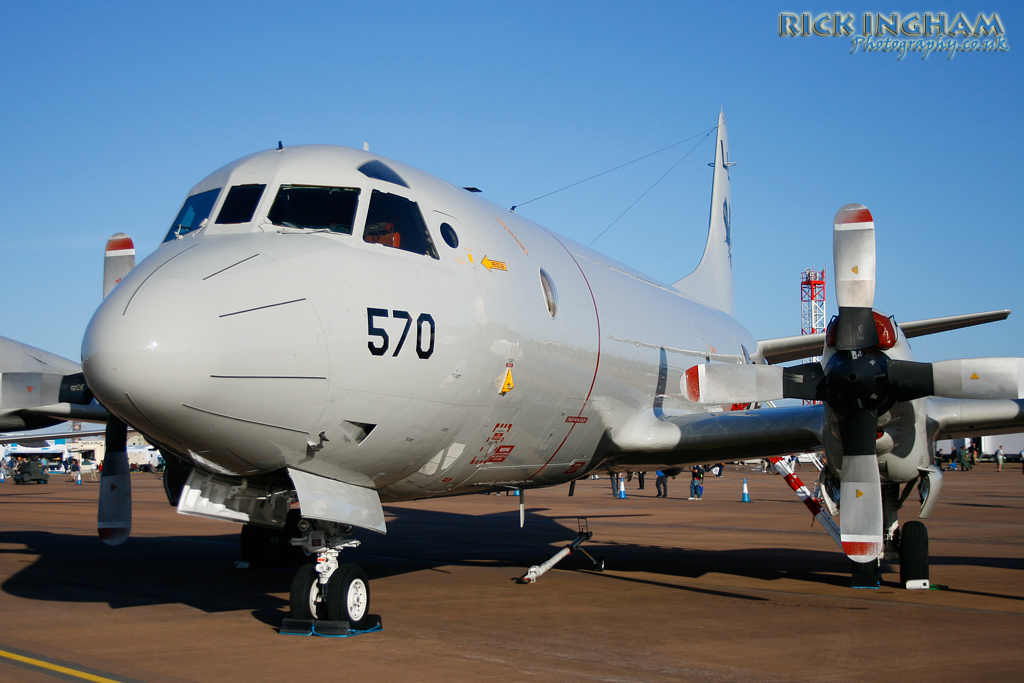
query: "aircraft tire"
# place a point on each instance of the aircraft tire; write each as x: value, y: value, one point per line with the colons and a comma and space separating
x: 348, y: 596
x: 304, y: 593
x: 913, y: 552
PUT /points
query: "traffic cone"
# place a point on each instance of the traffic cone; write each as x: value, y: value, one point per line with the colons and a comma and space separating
x: 746, y: 493
x: 78, y: 478
x: 3, y: 477
x: 622, y: 488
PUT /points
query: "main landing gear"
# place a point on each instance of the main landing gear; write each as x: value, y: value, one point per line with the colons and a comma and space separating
x: 328, y: 590
x: 914, y: 556
x: 910, y: 548
x: 907, y: 545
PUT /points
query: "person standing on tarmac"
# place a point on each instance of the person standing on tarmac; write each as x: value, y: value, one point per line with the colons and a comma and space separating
x: 696, y: 480
x: 661, y: 483
x: 999, y: 458
x: 962, y: 457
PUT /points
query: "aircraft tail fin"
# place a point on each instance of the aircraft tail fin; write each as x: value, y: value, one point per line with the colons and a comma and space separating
x: 711, y: 283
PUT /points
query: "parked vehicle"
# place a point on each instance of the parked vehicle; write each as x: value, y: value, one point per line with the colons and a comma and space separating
x: 31, y: 472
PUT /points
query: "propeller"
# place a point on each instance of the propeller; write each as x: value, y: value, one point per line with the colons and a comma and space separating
x: 114, y: 519
x: 857, y: 382
x: 114, y: 516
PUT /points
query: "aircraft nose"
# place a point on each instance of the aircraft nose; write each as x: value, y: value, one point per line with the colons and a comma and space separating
x: 215, y: 352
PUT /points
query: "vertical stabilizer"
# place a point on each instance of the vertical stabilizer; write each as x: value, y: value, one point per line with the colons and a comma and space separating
x: 711, y: 282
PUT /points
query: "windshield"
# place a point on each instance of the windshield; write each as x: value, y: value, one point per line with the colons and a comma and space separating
x: 395, y: 221
x: 315, y: 208
x: 193, y: 214
x: 240, y: 204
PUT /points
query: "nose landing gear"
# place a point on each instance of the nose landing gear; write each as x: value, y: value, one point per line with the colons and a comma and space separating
x: 329, y: 598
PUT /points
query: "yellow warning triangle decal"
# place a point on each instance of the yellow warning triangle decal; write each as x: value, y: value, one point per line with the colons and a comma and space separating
x: 859, y: 493
x: 974, y: 375
x: 855, y: 270
x: 508, y: 385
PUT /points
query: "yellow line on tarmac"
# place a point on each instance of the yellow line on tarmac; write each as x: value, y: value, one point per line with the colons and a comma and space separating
x: 55, y: 667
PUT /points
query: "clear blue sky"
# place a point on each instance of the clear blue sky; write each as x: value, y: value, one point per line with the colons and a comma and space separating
x: 112, y: 111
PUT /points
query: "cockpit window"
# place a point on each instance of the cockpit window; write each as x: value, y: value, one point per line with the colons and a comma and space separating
x: 315, y: 208
x: 395, y: 221
x: 193, y: 214
x: 240, y: 204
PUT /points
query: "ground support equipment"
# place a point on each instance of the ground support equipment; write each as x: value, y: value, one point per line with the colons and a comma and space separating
x: 585, y: 534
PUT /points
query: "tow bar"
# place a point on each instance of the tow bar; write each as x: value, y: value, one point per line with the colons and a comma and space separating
x: 585, y: 534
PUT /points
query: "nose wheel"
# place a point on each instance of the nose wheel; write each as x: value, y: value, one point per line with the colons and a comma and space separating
x: 348, y: 596
x: 328, y: 598
x: 306, y: 596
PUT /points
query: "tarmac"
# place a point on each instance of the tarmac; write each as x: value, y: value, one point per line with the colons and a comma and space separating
x: 710, y: 590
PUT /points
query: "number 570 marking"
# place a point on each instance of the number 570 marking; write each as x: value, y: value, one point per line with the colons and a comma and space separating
x: 381, y: 347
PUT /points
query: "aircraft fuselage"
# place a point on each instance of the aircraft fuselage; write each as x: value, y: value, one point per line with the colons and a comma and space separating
x: 489, y: 353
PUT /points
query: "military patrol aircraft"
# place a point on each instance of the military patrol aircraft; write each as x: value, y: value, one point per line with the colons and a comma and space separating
x: 324, y: 330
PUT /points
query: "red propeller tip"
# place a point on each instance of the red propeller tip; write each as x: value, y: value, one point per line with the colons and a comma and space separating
x: 693, y: 383
x: 120, y: 244
x: 853, y: 213
x: 862, y: 551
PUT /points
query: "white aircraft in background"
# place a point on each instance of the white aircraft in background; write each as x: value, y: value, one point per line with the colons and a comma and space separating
x: 326, y: 327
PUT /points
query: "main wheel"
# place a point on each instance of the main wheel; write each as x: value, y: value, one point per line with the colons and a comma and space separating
x: 913, y: 552
x: 348, y: 596
x: 306, y: 601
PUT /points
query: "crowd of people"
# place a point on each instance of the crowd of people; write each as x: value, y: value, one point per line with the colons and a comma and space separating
x: 13, y: 464
x: 961, y: 459
x: 964, y: 459
x: 697, y: 473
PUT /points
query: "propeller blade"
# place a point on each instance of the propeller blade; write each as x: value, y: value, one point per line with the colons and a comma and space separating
x: 966, y: 378
x: 712, y: 384
x: 114, y: 520
x: 860, y: 490
x: 853, y: 256
x: 983, y: 378
x: 118, y: 261
x: 720, y: 383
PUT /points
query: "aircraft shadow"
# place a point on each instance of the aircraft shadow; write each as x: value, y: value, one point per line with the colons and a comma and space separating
x: 199, y: 571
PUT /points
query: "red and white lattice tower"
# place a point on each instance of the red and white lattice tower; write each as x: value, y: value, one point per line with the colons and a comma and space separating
x: 812, y: 303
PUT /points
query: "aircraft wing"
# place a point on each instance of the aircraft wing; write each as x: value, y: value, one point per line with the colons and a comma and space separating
x: 676, y: 440
x: 40, y: 389
x: 31, y: 438
x: 783, y: 349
